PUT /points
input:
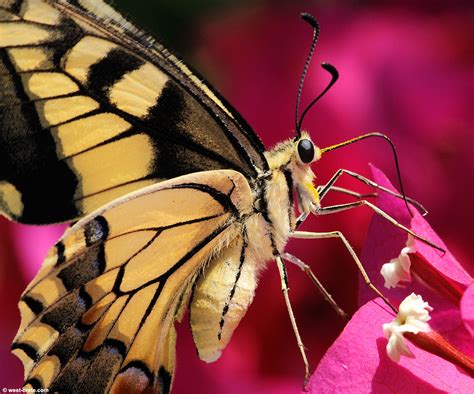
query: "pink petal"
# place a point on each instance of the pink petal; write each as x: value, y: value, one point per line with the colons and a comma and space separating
x: 445, y: 276
x: 384, y: 241
x: 357, y: 362
x: 467, y: 309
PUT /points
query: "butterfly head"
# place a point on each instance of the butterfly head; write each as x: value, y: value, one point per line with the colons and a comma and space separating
x: 305, y: 152
x: 294, y: 158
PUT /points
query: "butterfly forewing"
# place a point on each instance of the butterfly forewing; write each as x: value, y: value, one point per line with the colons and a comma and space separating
x: 99, y: 316
x: 82, y: 86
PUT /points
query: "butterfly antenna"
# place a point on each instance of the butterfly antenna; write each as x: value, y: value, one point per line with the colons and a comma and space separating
x: 334, y: 76
x: 314, y: 23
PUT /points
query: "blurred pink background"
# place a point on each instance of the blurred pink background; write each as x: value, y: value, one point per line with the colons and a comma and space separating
x: 405, y: 70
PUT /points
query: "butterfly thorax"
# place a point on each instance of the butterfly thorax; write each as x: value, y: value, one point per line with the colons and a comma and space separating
x: 288, y: 175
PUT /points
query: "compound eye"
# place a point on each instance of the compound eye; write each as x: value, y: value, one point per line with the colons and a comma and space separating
x: 306, y: 151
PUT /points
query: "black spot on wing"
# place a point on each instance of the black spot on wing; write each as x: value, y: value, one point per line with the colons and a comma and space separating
x: 111, y: 69
x: 85, y: 268
x: 60, y: 249
x: 35, y: 306
x: 35, y: 383
x: 29, y: 350
x: 68, y: 34
x: 164, y: 380
x: 96, y: 230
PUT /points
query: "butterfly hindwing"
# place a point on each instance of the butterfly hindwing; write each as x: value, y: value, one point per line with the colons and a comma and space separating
x: 99, y: 315
x: 91, y: 109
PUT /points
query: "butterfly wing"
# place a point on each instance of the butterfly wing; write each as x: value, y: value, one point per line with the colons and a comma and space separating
x: 99, y: 315
x: 91, y: 109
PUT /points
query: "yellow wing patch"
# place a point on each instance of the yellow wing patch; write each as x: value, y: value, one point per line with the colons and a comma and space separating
x: 139, y: 90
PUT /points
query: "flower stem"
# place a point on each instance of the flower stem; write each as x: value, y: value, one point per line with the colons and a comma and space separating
x: 435, y: 343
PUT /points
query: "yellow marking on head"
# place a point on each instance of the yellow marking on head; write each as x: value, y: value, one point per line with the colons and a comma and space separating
x: 138, y: 90
x: 48, y: 84
x: 312, y: 191
x: 60, y: 110
x: 10, y: 200
x: 81, y: 134
x: 28, y: 59
x: 22, y: 33
x: 38, y: 11
x: 86, y: 53
x: 113, y: 164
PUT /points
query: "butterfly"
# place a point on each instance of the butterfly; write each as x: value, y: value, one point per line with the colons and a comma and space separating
x: 178, y: 204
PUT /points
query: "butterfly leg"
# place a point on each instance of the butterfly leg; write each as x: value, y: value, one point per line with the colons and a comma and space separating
x: 324, y: 189
x: 343, y: 207
x: 307, y: 269
x: 285, y: 289
x: 352, y: 193
x: 360, y: 266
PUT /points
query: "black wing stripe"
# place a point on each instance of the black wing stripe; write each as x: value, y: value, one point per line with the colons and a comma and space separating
x: 21, y: 151
x: 110, y: 69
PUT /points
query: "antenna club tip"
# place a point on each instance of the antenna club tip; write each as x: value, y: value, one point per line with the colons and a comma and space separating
x: 329, y: 66
x: 331, y: 70
x: 310, y: 19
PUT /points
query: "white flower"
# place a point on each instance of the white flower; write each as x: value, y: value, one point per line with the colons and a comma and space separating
x: 398, y: 269
x: 412, y: 317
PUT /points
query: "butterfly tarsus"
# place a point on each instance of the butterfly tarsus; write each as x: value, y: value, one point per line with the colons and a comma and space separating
x: 343, y: 207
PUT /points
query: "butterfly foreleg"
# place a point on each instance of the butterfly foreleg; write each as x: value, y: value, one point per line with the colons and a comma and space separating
x: 329, y: 186
x: 307, y: 269
x: 353, y: 193
x: 343, y: 207
x: 360, y: 266
x: 285, y: 289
